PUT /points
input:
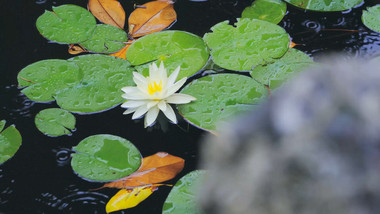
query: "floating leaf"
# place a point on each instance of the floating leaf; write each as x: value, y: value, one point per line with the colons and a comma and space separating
x: 10, y: 142
x: 174, y: 48
x: 67, y: 24
x: 106, y: 39
x: 182, y: 198
x: 371, y: 18
x: 219, y: 97
x: 55, y: 122
x: 76, y: 49
x: 251, y: 43
x: 282, y: 69
x: 128, y: 198
x: 325, y: 5
x: 47, y: 77
x: 100, y: 88
x: 156, y: 168
x: 108, y: 11
x: 267, y: 10
x: 151, y: 17
x: 105, y: 158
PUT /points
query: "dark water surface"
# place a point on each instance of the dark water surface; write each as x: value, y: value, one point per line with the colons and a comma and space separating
x: 39, y: 178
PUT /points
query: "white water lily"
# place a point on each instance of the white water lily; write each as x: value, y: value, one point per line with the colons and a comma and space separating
x: 154, y: 93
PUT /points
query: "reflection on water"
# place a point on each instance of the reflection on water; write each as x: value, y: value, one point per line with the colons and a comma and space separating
x: 62, y: 156
x: 17, y: 105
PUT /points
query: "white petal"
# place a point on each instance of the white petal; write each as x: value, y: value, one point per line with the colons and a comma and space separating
x: 130, y: 110
x: 140, y: 111
x: 136, y: 95
x: 150, y: 104
x: 169, y: 113
x: 151, y: 116
x: 178, y: 98
x: 139, y: 77
x: 133, y: 103
x: 153, y: 72
x: 173, y: 76
x: 162, y: 71
x: 173, y: 88
x: 162, y: 105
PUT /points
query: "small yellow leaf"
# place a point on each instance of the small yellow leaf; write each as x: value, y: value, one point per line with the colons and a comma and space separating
x: 128, y: 198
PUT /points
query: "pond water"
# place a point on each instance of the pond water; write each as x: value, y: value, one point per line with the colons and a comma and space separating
x: 39, y: 178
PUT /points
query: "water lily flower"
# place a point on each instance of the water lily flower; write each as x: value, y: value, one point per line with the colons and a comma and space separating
x: 154, y: 93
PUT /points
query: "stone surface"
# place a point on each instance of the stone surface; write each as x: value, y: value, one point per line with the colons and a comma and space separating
x: 313, y: 148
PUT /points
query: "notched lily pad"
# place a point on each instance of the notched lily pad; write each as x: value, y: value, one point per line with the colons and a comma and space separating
x: 182, y: 198
x: 10, y: 142
x: 174, y: 48
x: 275, y: 74
x: 252, y: 42
x: 267, y: 10
x: 44, y: 78
x: 105, y: 158
x: 219, y: 97
x: 67, y: 24
x: 371, y: 18
x: 55, y: 122
x: 325, y: 5
x: 100, y: 88
x: 106, y: 39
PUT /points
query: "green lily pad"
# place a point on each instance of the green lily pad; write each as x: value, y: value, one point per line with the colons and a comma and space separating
x: 174, y: 48
x: 105, y: 158
x: 182, y: 198
x: 67, y: 24
x: 219, y: 97
x: 371, y: 18
x: 106, y: 39
x: 45, y: 78
x: 10, y: 142
x: 252, y: 42
x: 267, y: 10
x: 2, y: 125
x: 282, y: 69
x: 325, y: 5
x: 100, y: 88
x: 55, y: 122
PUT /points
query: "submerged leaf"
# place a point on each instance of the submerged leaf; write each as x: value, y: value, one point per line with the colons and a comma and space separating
x: 10, y: 142
x: 151, y: 17
x: 67, y: 24
x: 105, y: 158
x: 108, y: 11
x: 76, y: 49
x: 156, y: 168
x: 128, y: 198
x: 55, y: 122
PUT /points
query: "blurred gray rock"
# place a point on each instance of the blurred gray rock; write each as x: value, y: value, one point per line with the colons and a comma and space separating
x: 313, y: 148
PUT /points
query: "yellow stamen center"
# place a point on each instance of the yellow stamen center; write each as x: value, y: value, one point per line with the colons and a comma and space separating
x: 153, y: 87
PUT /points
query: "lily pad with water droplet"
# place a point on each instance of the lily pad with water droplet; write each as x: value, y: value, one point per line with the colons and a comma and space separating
x: 174, y: 48
x: 325, y: 5
x: 44, y: 78
x: 267, y: 10
x: 100, y: 88
x: 106, y: 39
x: 55, y: 122
x: 105, y: 158
x: 219, y: 97
x: 371, y: 18
x: 10, y: 142
x: 67, y: 24
x: 182, y: 198
x: 275, y: 74
x: 252, y: 42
